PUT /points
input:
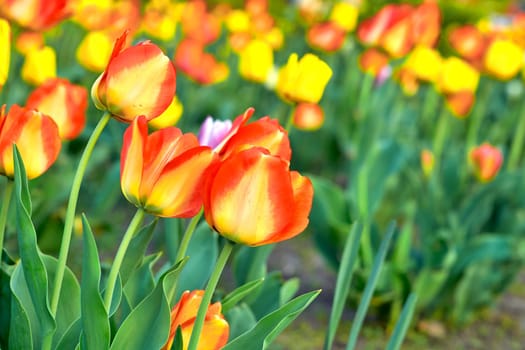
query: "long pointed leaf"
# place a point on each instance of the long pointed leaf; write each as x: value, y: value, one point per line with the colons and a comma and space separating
x: 400, y: 330
x: 238, y: 294
x: 369, y: 289
x: 136, y: 250
x: 95, y: 321
x: 344, y: 277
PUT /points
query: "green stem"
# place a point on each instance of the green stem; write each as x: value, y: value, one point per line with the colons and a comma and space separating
x: 119, y: 257
x: 440, y: 138
x: 8, y: 191
x: 430, y: 103
x: 366, y: 244
x: 71, y: 207
x: 518, y: 142
x: 477, y: 117
x: 181, y: 252
x: 364, y: 95
x: 208, y: 293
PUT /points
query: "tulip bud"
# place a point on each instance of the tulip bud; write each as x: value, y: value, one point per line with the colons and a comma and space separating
x: 486, y: 161
x: 308, y: 116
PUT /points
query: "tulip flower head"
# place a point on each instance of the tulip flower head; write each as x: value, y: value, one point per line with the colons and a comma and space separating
x: 308, y: 116
x: 39, y: 65
x: 66, y: 103
x: 344, y: 15
x: 163, y: 172
x: 212, y: 132
x: 253, y: 198
x: 215, y: 330
x: 303, y: 80
x: 486, y: 161
x: 36, y: 15
x: 503, y: 59
x: 138, y: 80
x: 94, y: 51
x: 36, y: 136
x: 5, y: 50
x: 256, y: 61
x: 326, y: 36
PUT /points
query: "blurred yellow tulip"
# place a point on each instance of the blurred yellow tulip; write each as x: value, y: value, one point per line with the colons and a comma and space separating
x: 256, y: 61
x: 170, y: 116
x: 425, y: 63
x: 39, y: 65
x: 345, y: 15
x: 503, y: 59
x: 5, y: 50
x: 457, y: 76
x: 94, y: 51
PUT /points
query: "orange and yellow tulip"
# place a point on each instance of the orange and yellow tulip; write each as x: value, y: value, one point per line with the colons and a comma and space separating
x: 326, y: 36
x: 303, y: 80
x: 35, y: 14
x: 198, y: 24
x: 215, y: 330
x: 468, y: 41
x: 253, y: 198
x: 163, y: 172
x: 36, y: 136
x: 426, y: 24
x: 486, y: 161
x: 66, y: 103
x: 138, y: 80
x: 308, y: 116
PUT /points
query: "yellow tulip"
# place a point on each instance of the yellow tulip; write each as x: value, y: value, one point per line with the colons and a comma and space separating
x: 5, y: 50
x: 256, y: 61
x: 425, y: 63
x: 503, y: 59
x: 170, y: 116
x: 345, y: 15
x: 39, y: 65
x: 238, y: 21
x: 303, y: 80
x: 94, y: 51
x: 457, y: 76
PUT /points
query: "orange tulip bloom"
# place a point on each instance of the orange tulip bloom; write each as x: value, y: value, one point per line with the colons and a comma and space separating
x: 215, y: 330
x: 460, y: 103
x: 308, y: 116
x: 253, y: 198
x: 163, y: 172
x: 36, y: 136
x: 426, y: 24
x: 35, y: 14
x: 468, y: 41
x: 198, y: 24
x: 265, y: 133
x: 138, y: 80
x: 486, y: 160
x: 200, y: 66
x: 66, y: 103
x: 326, y: 36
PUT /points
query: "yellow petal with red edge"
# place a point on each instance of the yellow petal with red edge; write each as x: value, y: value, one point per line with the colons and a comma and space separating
x: 178, y: 191
x: 131, y: 159
x: 303, y: 194
x: 249, y: 199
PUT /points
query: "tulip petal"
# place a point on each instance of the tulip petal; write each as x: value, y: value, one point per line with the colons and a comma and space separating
x: 132, y: 159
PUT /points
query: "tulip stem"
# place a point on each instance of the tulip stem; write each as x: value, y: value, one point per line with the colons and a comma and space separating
x: 119, y: 257
x: 8, y: 191
x: 440, y: 138
x: 208, y: 293
x: 477, y: 117
x: 70, y: 211
x: 517, y: 143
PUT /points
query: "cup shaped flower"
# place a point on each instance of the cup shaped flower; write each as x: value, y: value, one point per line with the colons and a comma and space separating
x: 63, y: 101
x: 212, y: 132
x: 138, y: 80
x: 215, y: 331
x: 36, y: 15
x: 486, y: 161
x: 5, y: 50
x: 303, y: 80
x: 36, y: 136
x: 503, y: 59
x: 163, y: 173
x: 253, y: 198
x: 256, y: 61
x: 265, y: 132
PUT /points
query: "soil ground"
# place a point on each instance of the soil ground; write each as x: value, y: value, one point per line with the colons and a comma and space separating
x: 501, y: 327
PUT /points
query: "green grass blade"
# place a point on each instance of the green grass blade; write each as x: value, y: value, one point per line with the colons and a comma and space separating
x: 344, y: 277
x: 369, y: 289
x: 400, y: 330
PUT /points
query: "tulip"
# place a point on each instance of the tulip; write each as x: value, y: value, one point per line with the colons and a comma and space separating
x: 66, y: 103
x: 457, y: 76
x: 94, y: 51
x: 303, y: 80
x: 326, y: 36
x: 163, y: 172
x: 138, y: 80
x: 486, y: 161
x: 36, y: 136
x: 256, y: 61
x: 5, y: 50
x: 39, y: 65
x: 274, y: 37
x: 372, y: 61
x: 408, y: 81
x: 265, y: 133
x: 253, y: 198
x: 198, y: 24
x: 468, y: 41
x: 426, y: 24
x: 344, y: 15
x: 29, y: 41
x: 238, y: 21
x: 460, y: 103
x: 427, y: 162
x: 36, y: 15
x: 212, y: 132
x: 170, y: 116
x: 425, y: 63
x: 308, y: 116
x: 215, y: 330
x: 160, y: 20
x: 503, y: 59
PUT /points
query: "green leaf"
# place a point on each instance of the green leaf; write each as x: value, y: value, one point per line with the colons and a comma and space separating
x: 249, y: 263
x: 231, y: 299
x: 177, y: 340
x: 400, y: 330
x: 95, y: 321
x: 288, y: 290
x: 31, y: 261
x: 20, y: 333
x: 71, y: 338
x: 5, y: 300
x: 148, y: 325
x: 344, y: 277
x: 117, y: 297
x: 369, y: 289
x: 136, y: 251
x: 267, y: 298
x: 269, y: 327
x: 141, y: 282
x: 202, y: 252
x: 240, y: 319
